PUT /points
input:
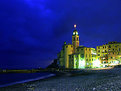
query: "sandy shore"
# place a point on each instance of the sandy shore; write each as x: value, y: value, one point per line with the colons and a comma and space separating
x: 95, y: 80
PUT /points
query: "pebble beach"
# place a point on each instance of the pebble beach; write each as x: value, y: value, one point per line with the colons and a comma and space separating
x: 93, y: 80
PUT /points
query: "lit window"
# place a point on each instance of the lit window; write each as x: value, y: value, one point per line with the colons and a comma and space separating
x: 77, y: 33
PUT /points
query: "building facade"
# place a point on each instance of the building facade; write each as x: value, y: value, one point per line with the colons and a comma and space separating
x: 73, y: 56
x: 109, y: 54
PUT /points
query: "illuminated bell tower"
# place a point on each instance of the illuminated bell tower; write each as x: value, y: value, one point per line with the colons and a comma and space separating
x: 75, y: 39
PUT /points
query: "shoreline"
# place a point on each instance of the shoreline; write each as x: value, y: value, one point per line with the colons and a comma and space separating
x: 27, y: 81
x: 54, y: 75
x: 89, y: 81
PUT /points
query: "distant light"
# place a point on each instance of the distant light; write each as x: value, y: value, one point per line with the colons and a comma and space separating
x: 74, y: 25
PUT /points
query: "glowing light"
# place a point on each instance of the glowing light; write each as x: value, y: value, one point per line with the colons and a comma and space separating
x: 74, y: 25
x: 77, y: 33
x: 96, y: 63
x: 116, y: 62
x: 81, y: 63
x: 93, y: 52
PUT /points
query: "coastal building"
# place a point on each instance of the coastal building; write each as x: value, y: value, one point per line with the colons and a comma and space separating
x: 102, y: 54
x: 84, y: 57
x: 73, y: 56
x: 109, y: 54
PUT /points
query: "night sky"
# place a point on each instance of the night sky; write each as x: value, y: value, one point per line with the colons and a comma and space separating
x: 32, y: 32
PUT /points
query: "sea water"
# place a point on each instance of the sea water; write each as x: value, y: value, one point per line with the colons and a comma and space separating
x: 14, y: 78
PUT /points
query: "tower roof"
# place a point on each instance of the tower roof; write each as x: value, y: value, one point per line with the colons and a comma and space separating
x: 75, y: 32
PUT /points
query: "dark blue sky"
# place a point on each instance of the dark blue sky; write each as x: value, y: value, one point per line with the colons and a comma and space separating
x: 32, y: 32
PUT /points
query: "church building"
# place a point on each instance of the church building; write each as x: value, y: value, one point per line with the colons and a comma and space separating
x: 74, y: 56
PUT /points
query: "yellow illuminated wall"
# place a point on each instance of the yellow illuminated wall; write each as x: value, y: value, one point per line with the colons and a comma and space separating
x: 68, y: 50
x: 102, y: 52
x: 84, y: 57
x: 109, y: 53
